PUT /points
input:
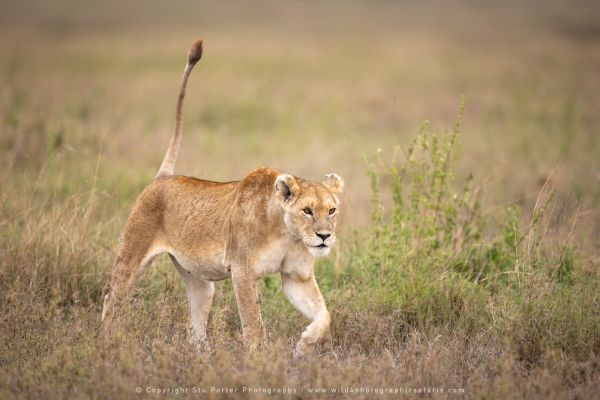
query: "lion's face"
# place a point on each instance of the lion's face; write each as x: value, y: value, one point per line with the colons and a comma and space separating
x: 311, y: 210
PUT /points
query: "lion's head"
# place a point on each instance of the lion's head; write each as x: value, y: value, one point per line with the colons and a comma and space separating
x: 311, y: 210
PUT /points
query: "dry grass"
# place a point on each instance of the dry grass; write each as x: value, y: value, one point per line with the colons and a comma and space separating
x: 431, y: 290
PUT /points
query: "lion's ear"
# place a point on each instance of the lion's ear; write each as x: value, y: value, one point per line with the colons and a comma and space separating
x: 286, y: 188
x: 334, y: 183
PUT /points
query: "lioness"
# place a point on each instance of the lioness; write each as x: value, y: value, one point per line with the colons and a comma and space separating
x: 268, y: 222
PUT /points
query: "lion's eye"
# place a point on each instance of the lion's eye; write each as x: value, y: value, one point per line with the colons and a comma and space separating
x: 331, y: 211
x: 307, y: 211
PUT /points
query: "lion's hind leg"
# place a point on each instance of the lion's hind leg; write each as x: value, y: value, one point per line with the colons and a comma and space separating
x: 126, y: 273
x: 136, y: 253
x: 200, y: 293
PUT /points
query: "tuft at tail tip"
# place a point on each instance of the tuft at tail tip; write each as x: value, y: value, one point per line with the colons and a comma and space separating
x: 195, y: 52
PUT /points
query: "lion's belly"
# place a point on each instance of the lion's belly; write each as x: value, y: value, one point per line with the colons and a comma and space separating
x: 206, y: 266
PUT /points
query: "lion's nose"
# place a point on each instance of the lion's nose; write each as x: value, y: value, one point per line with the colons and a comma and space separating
x: 323, y: 236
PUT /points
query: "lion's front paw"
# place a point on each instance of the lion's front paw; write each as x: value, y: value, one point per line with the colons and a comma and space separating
x: 303, y: 348
x: 201, y: 343
x: 203, y: 347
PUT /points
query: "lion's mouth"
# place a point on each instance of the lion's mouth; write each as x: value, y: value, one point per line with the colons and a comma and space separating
x: 321, y: 246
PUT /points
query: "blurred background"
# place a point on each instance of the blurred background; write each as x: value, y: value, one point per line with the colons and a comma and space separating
x: 89, y: 88
x: 454, y: 290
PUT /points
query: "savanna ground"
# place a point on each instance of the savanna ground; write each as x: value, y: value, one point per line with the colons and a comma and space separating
x: 468, y: 250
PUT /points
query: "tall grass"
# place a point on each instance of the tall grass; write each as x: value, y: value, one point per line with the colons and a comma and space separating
x: 436, y: 292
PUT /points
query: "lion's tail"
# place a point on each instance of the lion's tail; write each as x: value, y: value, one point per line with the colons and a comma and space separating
x: 168, y: 165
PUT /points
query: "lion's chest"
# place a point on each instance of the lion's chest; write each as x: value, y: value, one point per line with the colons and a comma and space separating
x: 269, y: 259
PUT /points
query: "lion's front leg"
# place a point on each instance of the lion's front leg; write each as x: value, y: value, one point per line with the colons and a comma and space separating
x: 304, y: 294
x: 248, y: 301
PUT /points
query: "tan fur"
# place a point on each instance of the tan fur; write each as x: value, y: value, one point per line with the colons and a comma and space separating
x: 268, y: 222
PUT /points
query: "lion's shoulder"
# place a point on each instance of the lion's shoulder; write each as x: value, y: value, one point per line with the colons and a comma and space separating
x: 258, y: 183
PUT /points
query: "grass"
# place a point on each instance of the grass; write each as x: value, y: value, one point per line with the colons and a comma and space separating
x: 435, y: 294
x: 467, y: 258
